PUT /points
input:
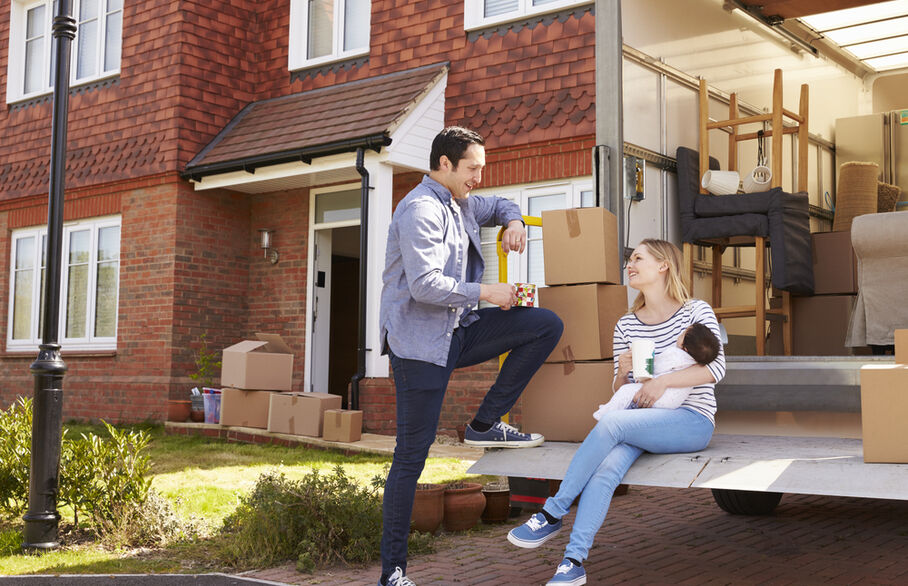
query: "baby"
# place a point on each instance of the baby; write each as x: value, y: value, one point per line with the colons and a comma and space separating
x: 696, y: 345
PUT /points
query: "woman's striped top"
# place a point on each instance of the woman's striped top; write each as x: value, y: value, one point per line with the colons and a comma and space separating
x: 703, y: 398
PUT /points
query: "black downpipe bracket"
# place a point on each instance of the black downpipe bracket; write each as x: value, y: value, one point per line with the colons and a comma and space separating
x: 363, y: 274
x: 42, y: 518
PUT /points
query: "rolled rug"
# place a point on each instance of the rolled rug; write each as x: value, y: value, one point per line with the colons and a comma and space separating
x: 857, y: 193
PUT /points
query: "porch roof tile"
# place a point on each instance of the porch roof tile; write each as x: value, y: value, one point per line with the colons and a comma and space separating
x: 269, y: 131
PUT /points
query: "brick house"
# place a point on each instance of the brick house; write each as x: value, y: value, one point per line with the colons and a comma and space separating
x: 195, y: 124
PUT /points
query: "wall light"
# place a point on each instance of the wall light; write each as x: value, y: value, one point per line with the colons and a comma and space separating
x: 270, y: 253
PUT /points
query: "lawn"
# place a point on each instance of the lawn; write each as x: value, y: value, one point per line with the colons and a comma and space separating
x: 203, y: 478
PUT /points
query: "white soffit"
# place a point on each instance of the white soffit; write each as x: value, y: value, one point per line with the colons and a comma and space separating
x: 876, y: 34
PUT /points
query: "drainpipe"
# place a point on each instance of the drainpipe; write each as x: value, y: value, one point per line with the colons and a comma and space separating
x: 363, y: 272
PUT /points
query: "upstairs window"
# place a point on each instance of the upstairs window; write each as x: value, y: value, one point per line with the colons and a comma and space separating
x: 322, y: 31
x: 481, y: 13
x: 95, y: 50
x: 90, y: 277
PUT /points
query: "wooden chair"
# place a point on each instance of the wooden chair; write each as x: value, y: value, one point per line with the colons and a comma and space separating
x: 777, y: 130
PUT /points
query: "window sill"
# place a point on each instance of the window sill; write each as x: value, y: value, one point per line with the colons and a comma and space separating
x: 517, y: 23
x: 32, y: 352
x: 82, y: 87
x: 329, y: 67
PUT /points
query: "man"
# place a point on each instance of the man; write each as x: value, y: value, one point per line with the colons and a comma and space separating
x: 431, y: 322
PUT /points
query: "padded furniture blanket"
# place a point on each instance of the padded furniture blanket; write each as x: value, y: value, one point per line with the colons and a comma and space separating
x: 880, y: 242
x: 783, y: 217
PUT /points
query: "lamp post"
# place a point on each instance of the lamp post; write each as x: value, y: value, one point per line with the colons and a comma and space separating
x: 42, y: 518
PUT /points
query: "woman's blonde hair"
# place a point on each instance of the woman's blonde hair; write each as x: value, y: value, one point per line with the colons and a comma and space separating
x: 664, y: 251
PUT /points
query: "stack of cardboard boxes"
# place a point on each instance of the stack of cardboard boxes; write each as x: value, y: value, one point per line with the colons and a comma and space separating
x: 257, y: 376
x: 582, y: 269
x: 820, y: 322
x: 884, y: 407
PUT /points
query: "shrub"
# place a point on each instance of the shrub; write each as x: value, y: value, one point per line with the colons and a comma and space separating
x: 314, y: 521
x: 206, y: 363
x: 15, y: 455
x: 150, y: 523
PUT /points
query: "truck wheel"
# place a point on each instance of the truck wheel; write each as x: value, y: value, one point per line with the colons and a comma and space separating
x: 746, y: 502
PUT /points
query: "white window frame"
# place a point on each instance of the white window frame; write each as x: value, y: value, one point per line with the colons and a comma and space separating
x: 518, y: 264
x: 474, y: 11
x: 90, y: 341
x: 15, y: 85
x: 299, y: 36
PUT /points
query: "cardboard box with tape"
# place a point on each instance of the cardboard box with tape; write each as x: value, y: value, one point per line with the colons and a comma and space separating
x: 581, y: 246
x: 300, y: 413
x: 343, y: 425
x: 884, y: 411
x: 263, y: 364
x: 245, y: 408
x: 561, y: 398
x: 589, y: 313
x: 901, y: 346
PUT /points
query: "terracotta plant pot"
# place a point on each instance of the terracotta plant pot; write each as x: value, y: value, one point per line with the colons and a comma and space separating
x: 464, y: 503
x: 428, y: 508
x: 197, y: 416
x: 177, y: 410
x: 498, y: 503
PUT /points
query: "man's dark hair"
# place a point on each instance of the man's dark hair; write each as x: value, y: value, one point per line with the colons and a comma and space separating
x: 701, y: 343
x: 452, y: 142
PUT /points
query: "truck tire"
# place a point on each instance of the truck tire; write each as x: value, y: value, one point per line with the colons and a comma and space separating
x: 746, y: 502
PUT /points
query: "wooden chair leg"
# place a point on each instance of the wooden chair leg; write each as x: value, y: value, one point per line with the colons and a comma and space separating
x: 786, y: 326
x: 688, y: 252
x: 717, y: 276
x: 759, y: 289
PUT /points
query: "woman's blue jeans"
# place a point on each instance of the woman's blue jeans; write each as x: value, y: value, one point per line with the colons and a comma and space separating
x: 530, y: 334
x: 607, y: 453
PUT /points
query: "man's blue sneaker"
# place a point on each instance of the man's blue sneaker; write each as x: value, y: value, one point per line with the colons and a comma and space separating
x: 398, y: 579
x: 501, y: 435
x: 568, y: 574
x: 534, y: 532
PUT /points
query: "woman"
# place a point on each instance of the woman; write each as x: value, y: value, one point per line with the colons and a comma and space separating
x: 661, y: 311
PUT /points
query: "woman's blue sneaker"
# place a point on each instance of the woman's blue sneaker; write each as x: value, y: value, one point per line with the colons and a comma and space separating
x: 568, y: 574
x: 534, y: 532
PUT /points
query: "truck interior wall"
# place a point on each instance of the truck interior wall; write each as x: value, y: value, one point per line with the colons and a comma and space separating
x: 660, y: 113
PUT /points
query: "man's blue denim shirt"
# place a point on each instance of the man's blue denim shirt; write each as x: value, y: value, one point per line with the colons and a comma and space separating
x: 422, y: 286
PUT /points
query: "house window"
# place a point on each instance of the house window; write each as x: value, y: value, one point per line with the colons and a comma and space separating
x: 481, y: 13
x: 533, y: 200
x: 89, y: 290
x: 322, y: 31
x: 96, y: 50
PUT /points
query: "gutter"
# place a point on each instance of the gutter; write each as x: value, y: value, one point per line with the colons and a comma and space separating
x: 306, y: 154
x: 353, y: 403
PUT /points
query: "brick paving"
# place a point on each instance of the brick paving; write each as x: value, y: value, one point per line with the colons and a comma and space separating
x: 671, y: 536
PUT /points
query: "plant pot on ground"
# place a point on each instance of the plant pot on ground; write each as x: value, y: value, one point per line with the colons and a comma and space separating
x: 498, y: 502
x: 428, y: 508
x: 177, y: 410
x: 464, y: 503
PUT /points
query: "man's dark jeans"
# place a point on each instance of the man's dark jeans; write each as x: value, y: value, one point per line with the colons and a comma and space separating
x: 530, y: 334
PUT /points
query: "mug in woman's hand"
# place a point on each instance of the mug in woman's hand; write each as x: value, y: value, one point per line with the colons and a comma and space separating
x: 643, y: 354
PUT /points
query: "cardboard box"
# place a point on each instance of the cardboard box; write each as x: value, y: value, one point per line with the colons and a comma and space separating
x: 560, y: 400
x: 835, y: 268
x: 819, y: 325
x: 884, y: 411
x: 300, y: 413
x: 343, y: 425
x: 245, y: 408
x: 265, y: 364
x: 589, y: 313
x: 901, y: 346
x: 580, y: 246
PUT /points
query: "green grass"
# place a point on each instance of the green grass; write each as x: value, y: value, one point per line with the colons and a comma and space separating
x: 204, y: 479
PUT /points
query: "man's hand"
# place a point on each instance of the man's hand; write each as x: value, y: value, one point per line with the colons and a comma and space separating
x: 514, y: 237
x: 501, y: 294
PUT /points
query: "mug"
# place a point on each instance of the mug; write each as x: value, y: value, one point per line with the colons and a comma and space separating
x: 643, y: 355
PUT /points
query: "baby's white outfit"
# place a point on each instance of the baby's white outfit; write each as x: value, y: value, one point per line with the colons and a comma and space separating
x: 671, y: 359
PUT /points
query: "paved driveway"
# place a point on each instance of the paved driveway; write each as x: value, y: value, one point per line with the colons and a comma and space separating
x: 670, y: 536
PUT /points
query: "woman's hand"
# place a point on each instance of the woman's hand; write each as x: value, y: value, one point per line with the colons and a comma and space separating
x: 625, y: 365
x: 650, y: 392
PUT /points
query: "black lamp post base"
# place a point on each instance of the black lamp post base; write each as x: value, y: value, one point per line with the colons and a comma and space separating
x: 40, y: 533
